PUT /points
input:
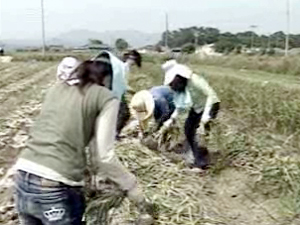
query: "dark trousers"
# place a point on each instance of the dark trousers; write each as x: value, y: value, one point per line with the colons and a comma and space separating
x: 123, y: 116
x: 163, y: 111
x: 191, y: 126
x: 44, y: 202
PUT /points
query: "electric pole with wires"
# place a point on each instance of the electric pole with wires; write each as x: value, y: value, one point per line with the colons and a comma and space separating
x: 43, y: 28
x: 288, y: 21
x: 167, y: 32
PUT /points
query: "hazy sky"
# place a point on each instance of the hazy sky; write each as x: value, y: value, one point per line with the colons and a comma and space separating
x: 21, y: 18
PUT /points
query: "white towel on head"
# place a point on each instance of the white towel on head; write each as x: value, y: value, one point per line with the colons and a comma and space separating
x: 168, y: 65
x: 177, y: 69
x: 66, y: 68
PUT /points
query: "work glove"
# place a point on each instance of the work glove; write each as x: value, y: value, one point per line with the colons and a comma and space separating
x: 205, y: 118
x: 202, y: 128
x: 136, y: 195
x: 168, y: 123
x: 164, y: 128
x: 141, y: 135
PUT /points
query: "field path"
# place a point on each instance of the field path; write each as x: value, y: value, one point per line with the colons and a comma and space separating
x: 20, y: 103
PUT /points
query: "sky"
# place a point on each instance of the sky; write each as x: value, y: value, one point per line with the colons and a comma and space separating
x: 21, y: 19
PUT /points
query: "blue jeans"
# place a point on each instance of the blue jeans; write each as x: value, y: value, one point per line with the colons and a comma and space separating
x: 41, y: 201
x: 163, y: 111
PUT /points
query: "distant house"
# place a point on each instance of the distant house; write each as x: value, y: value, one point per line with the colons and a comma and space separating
x: 85, y: 48
x: 101, y: 47
x: 294, y: 51
x: 80, y: 48
x: 56, y: 48
x: 207, y: 50
x: 147, y: 49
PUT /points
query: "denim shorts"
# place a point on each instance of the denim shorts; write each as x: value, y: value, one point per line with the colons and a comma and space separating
x: 40, y: 201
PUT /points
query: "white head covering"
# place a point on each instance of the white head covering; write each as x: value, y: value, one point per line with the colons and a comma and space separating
x: 168, y: 65
x: 177, y: 69
x: 119, y: 72
x: 172, y: 69
x: 66, y: 68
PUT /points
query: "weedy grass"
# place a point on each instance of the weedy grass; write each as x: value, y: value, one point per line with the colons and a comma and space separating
x: 48, y: 57
x: 258, y: 128
x: 271, y: 64
x: 257, y: 132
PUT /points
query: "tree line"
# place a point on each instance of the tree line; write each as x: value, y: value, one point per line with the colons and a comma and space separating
x: 226, y: 41
x: 120, y: 43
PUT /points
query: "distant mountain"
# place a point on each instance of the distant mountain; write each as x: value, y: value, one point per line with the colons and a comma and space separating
x: 81, y: 37
x: 18, y: 43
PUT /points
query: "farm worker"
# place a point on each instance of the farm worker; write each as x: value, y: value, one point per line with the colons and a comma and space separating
x: 50, y: 171
x: 66, y: 67
x: 132, y: 58
x: 158, y: 102
x: 129, y: 60
x: 205, y: 104
x: 1, y: 51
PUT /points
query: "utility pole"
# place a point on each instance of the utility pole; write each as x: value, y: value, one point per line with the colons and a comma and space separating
x: 43, y: 28
x: 167, y: 32
x: 288, y: 20
x: 252, y: 36
x: 269, y: 41
x: 196, y: 34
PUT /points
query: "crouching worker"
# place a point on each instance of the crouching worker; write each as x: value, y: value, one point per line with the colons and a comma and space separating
x: 157, y: 103
x: 50, y: 171
x: 205, y: 105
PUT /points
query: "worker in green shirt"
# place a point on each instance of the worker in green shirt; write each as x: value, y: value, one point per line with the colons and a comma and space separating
x: 50, y: 172
x: 195, y: 91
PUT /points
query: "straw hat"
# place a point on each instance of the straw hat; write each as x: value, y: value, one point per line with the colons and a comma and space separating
x: 177, y: 69
x: 142, y: 105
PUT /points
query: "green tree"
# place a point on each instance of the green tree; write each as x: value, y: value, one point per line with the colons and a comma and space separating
x: 224, y: 46
x: 188, y: 48
x: 121, y: 44
x: 95, y: 42
x: 226, y: 42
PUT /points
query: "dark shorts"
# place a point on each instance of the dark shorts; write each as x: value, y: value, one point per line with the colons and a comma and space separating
x: 41, y: 201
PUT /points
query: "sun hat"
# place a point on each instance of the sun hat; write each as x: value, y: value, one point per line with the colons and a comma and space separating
x: 142, y: 105
x: 177, y: 69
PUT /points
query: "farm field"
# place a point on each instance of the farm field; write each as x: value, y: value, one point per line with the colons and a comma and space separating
x: 256, y: 179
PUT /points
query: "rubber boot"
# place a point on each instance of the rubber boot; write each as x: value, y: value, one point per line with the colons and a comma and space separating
x: 202, y: 159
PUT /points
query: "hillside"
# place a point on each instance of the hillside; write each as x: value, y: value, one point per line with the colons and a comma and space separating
x: 81, y: 37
